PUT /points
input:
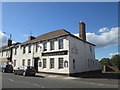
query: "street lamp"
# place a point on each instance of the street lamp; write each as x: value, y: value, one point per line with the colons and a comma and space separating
x: 9, y: 34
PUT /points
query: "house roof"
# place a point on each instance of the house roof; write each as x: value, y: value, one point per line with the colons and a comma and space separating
x: 48, y: 35
x: 7, y: 47
x: 53, y: 34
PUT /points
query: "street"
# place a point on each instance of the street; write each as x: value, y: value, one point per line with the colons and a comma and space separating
x: 9, y: 80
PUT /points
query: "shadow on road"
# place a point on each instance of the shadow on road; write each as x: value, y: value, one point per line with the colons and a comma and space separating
x: 97, y: 75
x: 39, y: 76
x: 35, y: 76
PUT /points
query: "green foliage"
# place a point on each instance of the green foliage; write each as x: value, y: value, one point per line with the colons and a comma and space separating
x: 105, y: 61
x: 115, y: 61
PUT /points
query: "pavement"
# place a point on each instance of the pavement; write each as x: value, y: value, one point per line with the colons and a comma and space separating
x: 100, y: 78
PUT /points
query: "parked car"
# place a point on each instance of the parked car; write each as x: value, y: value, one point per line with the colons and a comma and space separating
x: 25, y: 70
x: 7, y: 68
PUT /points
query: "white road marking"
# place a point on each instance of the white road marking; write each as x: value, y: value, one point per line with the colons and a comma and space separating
x: 11, y: 80
x: 37, y: 85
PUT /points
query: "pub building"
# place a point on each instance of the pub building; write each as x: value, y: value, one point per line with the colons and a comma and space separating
x: 58, y: 52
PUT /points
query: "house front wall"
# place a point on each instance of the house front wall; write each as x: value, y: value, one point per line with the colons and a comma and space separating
x: 19, y: 57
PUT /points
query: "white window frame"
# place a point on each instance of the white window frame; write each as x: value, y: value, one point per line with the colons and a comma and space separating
x: 60, y: 63
x: 61, y: 43
x: 44, y: 63
x: 52, y: 62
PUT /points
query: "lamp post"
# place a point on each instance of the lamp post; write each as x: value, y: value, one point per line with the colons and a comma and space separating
x: 9, y: 34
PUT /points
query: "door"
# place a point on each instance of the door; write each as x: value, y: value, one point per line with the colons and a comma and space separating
x: 36, y: 64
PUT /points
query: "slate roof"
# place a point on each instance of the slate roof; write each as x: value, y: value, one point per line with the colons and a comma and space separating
x: 48, y: 35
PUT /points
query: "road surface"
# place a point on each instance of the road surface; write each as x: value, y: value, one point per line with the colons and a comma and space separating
x: 9, y: 80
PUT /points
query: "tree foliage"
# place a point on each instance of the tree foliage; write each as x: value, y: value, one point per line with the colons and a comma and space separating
x: 105, y: 61
x: 114, y: 61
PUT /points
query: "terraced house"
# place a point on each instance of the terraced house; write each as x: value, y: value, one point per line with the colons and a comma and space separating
x: 57, y: 52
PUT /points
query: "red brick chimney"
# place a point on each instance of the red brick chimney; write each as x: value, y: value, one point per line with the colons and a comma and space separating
x: 31, y: 37
x: 9, y: 42
x: 82, y: 31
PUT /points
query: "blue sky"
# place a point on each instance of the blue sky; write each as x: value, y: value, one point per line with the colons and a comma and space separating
x: 21, y: 18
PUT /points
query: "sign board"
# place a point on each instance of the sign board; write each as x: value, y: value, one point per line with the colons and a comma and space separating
x: 55, y: 53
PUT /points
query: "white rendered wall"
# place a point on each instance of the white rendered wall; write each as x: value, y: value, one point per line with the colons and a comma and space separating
x: 80, y: 52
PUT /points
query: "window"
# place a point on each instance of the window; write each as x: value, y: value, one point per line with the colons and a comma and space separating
x: 93, y: 64
x: 36, y: 47
x: 88, y: 63
x: 45, y: 46
x: 15, y: 51
x: 6, y: 53
x: 60, y: 63
x: 23, y: 62
x: 23, y: 49
x: 52, y: 45
x: 2, y: 53
x: 73, y: 63
x: 14, y: 63
x: 29, y: 49
x: 40, y: 64
x: 44, y: 63
x: 29, y: 62
x: 51, y: 62
x: 60, y: 43
x: 90, y: 48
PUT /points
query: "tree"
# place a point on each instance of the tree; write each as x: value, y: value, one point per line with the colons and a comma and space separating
x: 105, y: 61
x: 115, y: 61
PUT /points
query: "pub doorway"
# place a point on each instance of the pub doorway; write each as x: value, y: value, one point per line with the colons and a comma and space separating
x: 36, y: 63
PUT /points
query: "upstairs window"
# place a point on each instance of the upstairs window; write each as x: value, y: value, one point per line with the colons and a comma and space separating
x: 15, y: 51
x: 90, y: 48
x: 6, y: 53
x: 45, y: 46
x: 2, y: 53
x: 52, y: 45
x: 60, y: 43
x: 29, y: 49
x: 23, y: 49
x: 36, y: 47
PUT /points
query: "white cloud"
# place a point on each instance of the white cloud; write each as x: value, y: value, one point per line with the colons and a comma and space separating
x: 25, y: 35
x: 104, y: 29
x: 3, y: 39
x: 105, y: 39
x: 112, y: 54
